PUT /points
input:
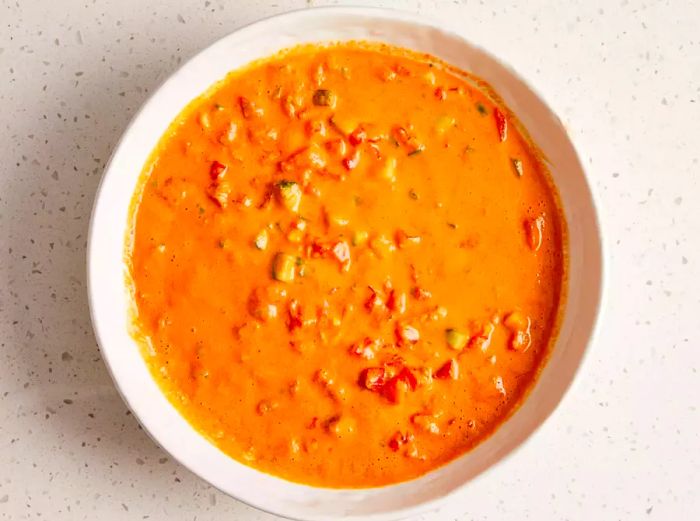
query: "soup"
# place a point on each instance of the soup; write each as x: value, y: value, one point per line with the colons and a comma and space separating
x: 347, y: 264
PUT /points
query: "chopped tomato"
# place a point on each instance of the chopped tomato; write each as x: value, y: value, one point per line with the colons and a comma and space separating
x: 407, y: 376
x: 363, y: 348
x: 374, y: 301
x: 396, y: 301
x: 449, y: 370
x: 395, y: 389
x: 357, y: 136
x: 372, y: 378
x: 318, y: 249
x: 217, y: 170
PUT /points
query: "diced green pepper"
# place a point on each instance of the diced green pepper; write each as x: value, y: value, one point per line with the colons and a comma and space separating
x: 324, y: 98
x: 283, y: 266
x: 444, y: 123
x: 290, y: 195
x: 457, y: 340
x: 359, y: 237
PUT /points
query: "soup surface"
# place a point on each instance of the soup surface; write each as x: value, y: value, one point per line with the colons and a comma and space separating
x: 347, y: 264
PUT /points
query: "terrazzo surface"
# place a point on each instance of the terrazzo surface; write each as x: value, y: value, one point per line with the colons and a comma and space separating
x: 623, y: 76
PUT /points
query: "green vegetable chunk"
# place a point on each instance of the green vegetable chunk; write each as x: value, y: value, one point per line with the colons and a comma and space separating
x: 324, y: 98
x: 457, y: 340
x: 283, y: 267
x: 289, y: 194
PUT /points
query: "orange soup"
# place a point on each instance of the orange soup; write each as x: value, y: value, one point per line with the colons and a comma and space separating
x: 347, y: 264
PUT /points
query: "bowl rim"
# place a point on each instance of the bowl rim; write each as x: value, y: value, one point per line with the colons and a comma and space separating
x: 598, y: 291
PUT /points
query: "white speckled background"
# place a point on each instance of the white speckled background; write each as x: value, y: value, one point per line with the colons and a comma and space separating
x: 625, y: 78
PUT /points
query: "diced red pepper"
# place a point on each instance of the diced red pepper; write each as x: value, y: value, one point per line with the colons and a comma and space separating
x: 396, y: 441
x: 394, y: 366
x: 339, y: 250
x: 422, y: 294
x: 295, y: 314
x: 399, y: 439
x: 397, y: 301
x: 363, y: 349
x: 449, y: 370
x: 407, y: 376
x: 373, y: 301
x: 372, y: 378
x: 395, y: 389
x: 217, y: 170
x: 357, y: 136
x: 318, y: 249
x: 501, y: 124
x: 352, y: 160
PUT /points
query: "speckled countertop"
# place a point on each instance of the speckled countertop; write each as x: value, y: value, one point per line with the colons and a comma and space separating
x: 624, y: 77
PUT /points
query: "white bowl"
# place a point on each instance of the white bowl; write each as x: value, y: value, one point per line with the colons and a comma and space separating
x: 109, y: 299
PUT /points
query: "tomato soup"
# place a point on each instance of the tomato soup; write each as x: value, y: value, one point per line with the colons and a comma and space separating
x: 347, y: 264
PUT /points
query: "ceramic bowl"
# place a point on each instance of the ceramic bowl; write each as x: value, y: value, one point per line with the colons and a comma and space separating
x: 109, y: 298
